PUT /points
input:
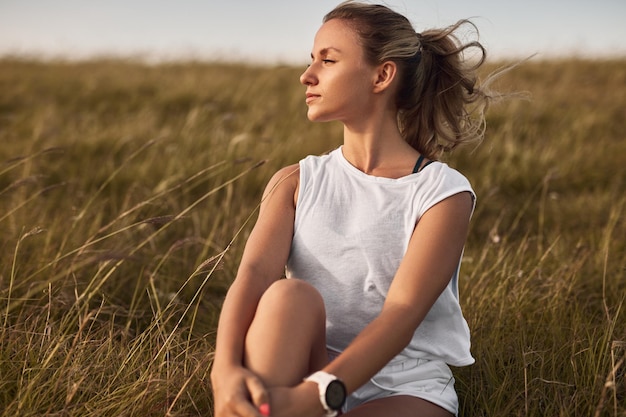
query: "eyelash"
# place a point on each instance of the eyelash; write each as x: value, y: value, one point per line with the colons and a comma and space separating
x: 325, y: 61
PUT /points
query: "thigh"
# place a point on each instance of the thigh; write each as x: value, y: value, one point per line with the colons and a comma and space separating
x: 398, y: 406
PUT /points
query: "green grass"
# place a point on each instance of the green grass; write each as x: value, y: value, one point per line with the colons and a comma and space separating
x: 127, y: 192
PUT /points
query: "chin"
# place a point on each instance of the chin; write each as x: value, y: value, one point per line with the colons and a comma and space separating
x: 317, y: 117
x: 312, y: 117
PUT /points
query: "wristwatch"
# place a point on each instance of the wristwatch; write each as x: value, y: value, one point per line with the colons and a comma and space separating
x: 332, y: 391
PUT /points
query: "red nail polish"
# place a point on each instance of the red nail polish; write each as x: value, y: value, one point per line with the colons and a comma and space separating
x: 264, y: 409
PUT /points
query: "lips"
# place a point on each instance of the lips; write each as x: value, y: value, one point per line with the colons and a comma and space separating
x: 310, y: 97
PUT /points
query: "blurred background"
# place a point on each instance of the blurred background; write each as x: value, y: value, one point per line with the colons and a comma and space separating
x: 281, y: 31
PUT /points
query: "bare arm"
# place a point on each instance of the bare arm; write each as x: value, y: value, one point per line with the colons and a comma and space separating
x: 262, y: 263
x: 423, y: 274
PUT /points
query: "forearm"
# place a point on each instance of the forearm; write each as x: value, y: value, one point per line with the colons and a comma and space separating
x: 373, y: 348
x: 237, y: 313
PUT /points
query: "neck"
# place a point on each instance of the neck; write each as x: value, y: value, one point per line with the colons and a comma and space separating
x: 377, y: 148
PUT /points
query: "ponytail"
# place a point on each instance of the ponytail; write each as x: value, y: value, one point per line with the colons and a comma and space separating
x: 442, y: 106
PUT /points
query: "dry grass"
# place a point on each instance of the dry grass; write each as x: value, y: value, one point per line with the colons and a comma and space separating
x: 126, y: 193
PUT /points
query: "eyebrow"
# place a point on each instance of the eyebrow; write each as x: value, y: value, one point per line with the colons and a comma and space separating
x: 324, y: 51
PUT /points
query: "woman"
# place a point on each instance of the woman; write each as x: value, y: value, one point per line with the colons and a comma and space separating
x: 371, y: 236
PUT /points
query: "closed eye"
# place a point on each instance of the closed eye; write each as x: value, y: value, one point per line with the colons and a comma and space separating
x: 325, y: 61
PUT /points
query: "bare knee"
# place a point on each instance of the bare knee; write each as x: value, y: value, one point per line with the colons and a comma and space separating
x: 293, y: 295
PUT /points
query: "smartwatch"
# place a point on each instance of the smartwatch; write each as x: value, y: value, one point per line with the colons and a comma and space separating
x: 332, y: 391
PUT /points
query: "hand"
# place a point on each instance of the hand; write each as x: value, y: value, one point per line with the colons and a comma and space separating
x: 237, y: 392
x: 301, y: 400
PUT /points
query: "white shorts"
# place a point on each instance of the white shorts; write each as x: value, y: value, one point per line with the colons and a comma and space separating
x: 430, y: 380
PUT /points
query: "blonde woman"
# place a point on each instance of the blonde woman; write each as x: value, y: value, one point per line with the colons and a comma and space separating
x: 370, y: 236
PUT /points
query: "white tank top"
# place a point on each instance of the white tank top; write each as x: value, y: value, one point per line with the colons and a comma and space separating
x: 351, y: 232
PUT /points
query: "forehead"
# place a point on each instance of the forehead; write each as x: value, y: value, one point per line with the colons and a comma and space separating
x: 338, y: 35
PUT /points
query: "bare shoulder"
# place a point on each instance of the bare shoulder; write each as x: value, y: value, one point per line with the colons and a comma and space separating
x: 283, y: 185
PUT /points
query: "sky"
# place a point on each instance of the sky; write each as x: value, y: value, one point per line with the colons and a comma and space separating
x: 282, y: 31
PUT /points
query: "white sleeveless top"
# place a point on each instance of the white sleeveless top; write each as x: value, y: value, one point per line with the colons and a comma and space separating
x: 351, y: 232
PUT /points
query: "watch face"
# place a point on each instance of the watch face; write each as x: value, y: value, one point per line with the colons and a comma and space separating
x: 335, y: 394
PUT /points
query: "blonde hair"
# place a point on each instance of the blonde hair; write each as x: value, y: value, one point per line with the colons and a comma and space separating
x: 439, y: 102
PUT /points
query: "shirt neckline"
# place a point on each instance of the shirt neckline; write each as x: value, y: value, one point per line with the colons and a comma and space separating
x: 357, y: 172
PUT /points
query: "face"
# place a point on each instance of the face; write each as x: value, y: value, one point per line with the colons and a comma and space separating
x: 338, y: 81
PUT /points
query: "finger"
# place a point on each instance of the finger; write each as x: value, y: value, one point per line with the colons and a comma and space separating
x: 245, y: 409
x: 257, y: 391
x: 237, y: 406
x: 264, y: 409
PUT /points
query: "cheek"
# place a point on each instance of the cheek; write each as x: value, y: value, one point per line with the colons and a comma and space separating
x: 357, y: 84
x: 354, y: 94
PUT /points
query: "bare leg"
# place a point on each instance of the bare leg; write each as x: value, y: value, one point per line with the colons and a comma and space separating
x: 398, y: 406
x: 287, y: 338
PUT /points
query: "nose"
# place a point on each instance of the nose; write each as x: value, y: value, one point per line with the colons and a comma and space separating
x: 308, y: 77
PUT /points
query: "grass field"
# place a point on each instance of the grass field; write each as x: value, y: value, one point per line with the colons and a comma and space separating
x: 127, y: 192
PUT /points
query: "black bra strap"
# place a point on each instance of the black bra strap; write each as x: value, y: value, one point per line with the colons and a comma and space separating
x: 427, y: 163
x: 418, y: 164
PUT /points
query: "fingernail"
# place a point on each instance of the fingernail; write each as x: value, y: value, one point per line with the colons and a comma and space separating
x: 264, y: 409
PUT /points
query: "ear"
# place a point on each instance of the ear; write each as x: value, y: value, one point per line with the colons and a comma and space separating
x: 385, y: 74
